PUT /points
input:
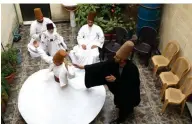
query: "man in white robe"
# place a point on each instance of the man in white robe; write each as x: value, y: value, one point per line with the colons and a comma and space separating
x: 53, y: 40
x: 38, y: 27
x: 90, y: 38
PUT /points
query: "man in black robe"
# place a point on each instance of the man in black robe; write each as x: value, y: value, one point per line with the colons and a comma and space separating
x: 122, y: 78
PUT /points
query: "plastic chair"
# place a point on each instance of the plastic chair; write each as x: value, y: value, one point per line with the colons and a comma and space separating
x: 163, y: 60
x: 178, y: 96
x: 172, y: 78
x: 146, y: 43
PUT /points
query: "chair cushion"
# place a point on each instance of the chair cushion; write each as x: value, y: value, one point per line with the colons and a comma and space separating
x: 143, y: 48
x: 160, y: 60
x: 169, y: 78
x: 112, y: 47
x: 174, y: 95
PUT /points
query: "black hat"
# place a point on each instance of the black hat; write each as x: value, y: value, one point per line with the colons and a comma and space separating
x: 49, y: 26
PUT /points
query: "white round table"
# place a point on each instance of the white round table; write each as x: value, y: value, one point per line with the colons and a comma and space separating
x: 42, y: 100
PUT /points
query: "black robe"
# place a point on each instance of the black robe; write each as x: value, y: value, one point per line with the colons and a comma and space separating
x: 126, y: 88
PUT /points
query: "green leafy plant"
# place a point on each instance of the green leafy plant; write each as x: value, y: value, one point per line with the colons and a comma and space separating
x: 8, y: 60
x: 82, y: 12
x: 108, y: 16
x: 109, y: 25
x: 9, y: 56
x: 7, y: 69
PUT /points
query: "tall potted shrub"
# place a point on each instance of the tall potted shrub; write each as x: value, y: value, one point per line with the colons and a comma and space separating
x: 8, y: 71
x: 8, y: 63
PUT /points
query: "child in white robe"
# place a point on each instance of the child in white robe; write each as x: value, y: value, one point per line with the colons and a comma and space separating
x: 62, y: 70
x: 53, y: 40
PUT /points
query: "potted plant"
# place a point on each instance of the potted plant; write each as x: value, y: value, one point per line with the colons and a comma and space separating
x: 12, y: 53
x: 8, y: 71
x: 8, y: 63
x: 9, y: 55
x: 4, y: 93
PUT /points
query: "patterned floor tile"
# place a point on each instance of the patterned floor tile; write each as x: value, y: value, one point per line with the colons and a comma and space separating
x: 28, y: 61
x: 29, y: 70
x: 16, y: 84
x: 9, y: 114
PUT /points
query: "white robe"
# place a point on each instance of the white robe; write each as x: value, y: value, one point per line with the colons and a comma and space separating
x: 53, y: 42
x: 37, y: 29
x: 60, y: 71
x: 89, y: 36
x: 32, y: 50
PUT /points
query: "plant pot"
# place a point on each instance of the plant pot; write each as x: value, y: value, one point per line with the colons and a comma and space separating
x: 19, y: 56
x: 10, y: 78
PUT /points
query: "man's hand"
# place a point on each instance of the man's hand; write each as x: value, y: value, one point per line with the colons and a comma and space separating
x: 36, y: 44
x: 94, y: 46
x: 110, y: 78
x: 78, y: 66
x: 84, y: 46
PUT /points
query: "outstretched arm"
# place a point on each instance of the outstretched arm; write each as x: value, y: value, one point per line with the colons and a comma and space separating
x: 70, y: 71
x: 44, y: 56
x: 79, y: 66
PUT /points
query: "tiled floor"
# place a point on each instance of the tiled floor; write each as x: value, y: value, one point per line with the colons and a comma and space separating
x: 148, y: 112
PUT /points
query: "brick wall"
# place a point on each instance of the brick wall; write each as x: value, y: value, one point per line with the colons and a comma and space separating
x: 176, y: 25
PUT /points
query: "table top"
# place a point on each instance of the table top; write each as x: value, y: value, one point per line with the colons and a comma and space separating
x: 69, y: 4
x: 42, y: 100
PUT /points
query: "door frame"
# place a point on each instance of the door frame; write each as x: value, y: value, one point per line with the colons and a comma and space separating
x: 19, y: 14
x: 18, y: 11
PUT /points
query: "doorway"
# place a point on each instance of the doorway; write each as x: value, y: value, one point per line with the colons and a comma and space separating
x: 27, y: 11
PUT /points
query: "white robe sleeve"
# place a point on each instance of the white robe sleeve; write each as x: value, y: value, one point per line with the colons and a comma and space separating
x: 31, y: 48
x: 61, y: 41
x: 101, y: 37
x: 44, y: 56
x: 81, y: 36
x: 63, y: 77
x: 70, y: 72
x: 33, y: 31
x: 43, y: 37
x: 44, y: 41
x: 51, y: 66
